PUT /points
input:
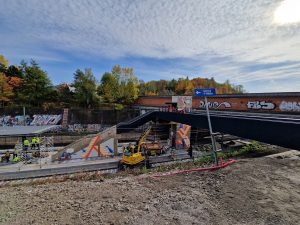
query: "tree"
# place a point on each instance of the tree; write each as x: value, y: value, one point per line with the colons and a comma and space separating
x: 109, y: 87
x: 15, y: 79
x: 3, y: 64
x: 6, y: 91
x: 14, y: 71
x: 128, y: 84
x: 161, y: 87
x: 65, y: 96
x: 85, y: 88
x: 130, y: 91
x: 171, y: 85
x: 182, y: 85
x: 142, y: 88
x: 36, y: 84
x: 189, y: 90
x: 119, y: 86
x: 151, y: 88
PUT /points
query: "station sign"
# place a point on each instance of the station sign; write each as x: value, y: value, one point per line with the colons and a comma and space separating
x: 204, y: 92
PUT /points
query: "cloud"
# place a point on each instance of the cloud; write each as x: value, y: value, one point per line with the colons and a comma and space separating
x: 228, y: 39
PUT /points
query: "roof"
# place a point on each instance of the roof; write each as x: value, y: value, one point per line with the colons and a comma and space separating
x: 25, y: 130
x: 267, y: 94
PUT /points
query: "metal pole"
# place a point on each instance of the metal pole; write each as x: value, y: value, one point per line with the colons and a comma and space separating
x: 211, y: 133
x: 24, y: 114
x: 40, y: 153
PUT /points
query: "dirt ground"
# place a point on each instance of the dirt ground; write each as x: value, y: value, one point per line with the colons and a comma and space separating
x: 251, y: 191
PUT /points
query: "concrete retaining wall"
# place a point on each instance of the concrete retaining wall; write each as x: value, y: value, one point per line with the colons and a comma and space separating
x: 58, y: 140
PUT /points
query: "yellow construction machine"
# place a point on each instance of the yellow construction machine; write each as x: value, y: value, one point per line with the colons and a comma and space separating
x: 133, y: 155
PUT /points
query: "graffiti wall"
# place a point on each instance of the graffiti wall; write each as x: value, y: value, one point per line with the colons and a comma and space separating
x: 287, y: 106
x: 251, y: 104
x: 36, y: 120
x: 14, y: 120
x: 260, y: 105
x: 183, y: 136
x: 269, y: 102
x: 39, y: 120
x: 79, y: 128
x: 214, y: 105
x: 183, y: 102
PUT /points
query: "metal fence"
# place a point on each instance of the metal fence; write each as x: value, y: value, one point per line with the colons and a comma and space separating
x: 32, y: 157
x: 75, y: 116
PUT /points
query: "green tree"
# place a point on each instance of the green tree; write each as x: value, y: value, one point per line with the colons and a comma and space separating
x: 36, y: 86
x: 142, y: 88
x: 171, y: 85
x: 152, y: 88
x: 109, y: 88
x: 130, y: 91
x: 128, y: 84
x: 85, y: 88
x: 119, y: 86
x: 14, y: 71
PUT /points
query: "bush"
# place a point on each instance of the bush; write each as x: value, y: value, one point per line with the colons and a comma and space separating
x: 254, y: 146
x: 119, y: 107
x: 204, y: 159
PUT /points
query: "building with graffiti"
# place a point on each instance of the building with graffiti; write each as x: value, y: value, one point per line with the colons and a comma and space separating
x: 255, y: 102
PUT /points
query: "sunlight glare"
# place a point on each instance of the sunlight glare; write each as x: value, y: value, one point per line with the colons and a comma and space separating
x: 287, y: 12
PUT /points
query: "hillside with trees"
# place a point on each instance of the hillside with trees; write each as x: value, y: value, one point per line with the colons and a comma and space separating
x: 28, y: 84
x: 186, y: 86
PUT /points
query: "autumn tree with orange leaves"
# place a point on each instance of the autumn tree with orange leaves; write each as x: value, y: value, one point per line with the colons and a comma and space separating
x: 6, y: 90
x: 185, y: 86
x: 29, y: 85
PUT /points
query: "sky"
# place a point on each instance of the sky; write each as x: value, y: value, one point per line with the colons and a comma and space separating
x: 255, y: 43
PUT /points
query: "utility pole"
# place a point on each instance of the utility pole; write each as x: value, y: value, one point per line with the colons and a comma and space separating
x: 24, y: 115
x: 213, y: 141
x: 204, y: 93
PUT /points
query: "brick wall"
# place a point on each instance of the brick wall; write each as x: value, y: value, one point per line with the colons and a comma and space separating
x: 255, y: 103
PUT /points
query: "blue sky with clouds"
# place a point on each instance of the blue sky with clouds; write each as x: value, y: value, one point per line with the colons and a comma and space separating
x: 254, y: 43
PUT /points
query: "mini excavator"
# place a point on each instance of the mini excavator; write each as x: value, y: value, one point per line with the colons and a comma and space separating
x: 135, y: 155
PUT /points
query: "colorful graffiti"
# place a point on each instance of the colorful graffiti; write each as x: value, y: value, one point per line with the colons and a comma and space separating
x: 46, y: 120
x: 260, y: 105
x: 183, y: 136
x: 37, y: 120
x: 290, y: 106
x: 215, y: 105
x: 14, y: 120
x: 184, y: 103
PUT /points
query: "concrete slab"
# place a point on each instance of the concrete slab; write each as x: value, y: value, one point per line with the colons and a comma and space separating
x: 292, y: 154
x: 25, y: 130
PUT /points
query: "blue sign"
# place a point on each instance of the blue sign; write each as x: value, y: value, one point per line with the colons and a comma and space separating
x: 205, y: 92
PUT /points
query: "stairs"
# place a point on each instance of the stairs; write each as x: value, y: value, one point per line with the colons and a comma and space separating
x: 78, y: 145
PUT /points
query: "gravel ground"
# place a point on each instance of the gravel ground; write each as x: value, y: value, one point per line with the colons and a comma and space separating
x: 251, y: 191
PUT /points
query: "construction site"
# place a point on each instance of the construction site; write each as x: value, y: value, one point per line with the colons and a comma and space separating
x: 164, y: 166
x: 146, y: 112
